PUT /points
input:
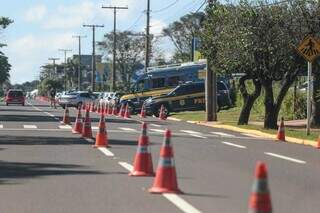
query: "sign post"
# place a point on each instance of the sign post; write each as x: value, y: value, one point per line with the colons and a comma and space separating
x: 309, y: 48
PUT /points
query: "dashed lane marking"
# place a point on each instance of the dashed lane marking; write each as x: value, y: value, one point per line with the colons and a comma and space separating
x: 95, y: 128
x: 1, y: 126
x: 173, y: 119
x: 65, y: 127
x: 106, y: 151
x: 198, y: 136
x: 126, y: 165
x: 180, y: 203
x: 191, y: 132
x: 234, y: 145
x: 285, y: 158
x: 30, y: 127
x: 222, y: 134
x: 158, y: 130
x: 127, y: 129
x: 156, y: 125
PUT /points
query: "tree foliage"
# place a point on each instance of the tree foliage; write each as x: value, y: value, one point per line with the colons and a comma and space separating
x: 181, y: 33
x: 258, y: 40
x: 4, y: 63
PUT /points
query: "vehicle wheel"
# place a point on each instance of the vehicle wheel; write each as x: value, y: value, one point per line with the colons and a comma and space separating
x: 165, y: 109
x: 7, y: 104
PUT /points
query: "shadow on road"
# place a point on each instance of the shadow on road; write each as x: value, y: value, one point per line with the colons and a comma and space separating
x: 123, y: 142
x: 27, y: 118
x: 40, y: 140
x: 206, y: 195
x: 18, y: 170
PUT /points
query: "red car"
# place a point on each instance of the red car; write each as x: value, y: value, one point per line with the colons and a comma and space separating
x: 15, y: 97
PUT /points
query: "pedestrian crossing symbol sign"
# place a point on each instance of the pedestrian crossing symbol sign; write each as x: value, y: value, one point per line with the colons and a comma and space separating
x: 309, y: 48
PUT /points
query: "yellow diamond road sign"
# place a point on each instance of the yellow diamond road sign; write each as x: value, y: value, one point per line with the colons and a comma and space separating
x: 309, y: 48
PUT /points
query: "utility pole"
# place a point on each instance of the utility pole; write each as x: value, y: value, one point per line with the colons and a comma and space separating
x: 211, y: 85
x: 65, y: 66
x: 54, y: 64
x: 147, y: 58
x: 79, y: 68
x: 114, y: 8
x: 93, y: 77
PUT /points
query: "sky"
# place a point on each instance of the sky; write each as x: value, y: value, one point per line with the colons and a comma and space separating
x: 41, y: 27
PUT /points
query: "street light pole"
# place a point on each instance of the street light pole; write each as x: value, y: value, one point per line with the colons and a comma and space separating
x: 114, y: 8
x: 79, y: 65
x: 93, y: 77
x: 147, y: 45
x: 54, y: 64
x: 65, y: 66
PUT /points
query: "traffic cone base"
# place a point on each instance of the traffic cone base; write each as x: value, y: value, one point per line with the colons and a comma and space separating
x: 101, y: 137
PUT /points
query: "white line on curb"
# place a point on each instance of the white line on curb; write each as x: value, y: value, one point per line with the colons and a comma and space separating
x: 106, y: 151
x: 235, y: 145
x: 125, y: 165
x: 191, y: 122
x: 30, y: 127
x: 173, y: 119
x: 285, y: 158
x: 181, y: 203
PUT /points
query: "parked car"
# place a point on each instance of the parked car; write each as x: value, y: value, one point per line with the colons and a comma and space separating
x: 75, y: 99
x: 14, y: 96
x: 111, y: 98
x: 187, y: 97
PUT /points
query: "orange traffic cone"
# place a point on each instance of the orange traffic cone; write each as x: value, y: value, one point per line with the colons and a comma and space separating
x: 127, y: 112
x: 318, y: 143
x: 281, y: 134
x: 143, y: 111
x: 99, y: 108
x: 162, y: 115
x: 106, y: 109
x: 122, y: 111
x: 260, y: 201
x: 101, y: 137
x: 84, y: 105
x: 142, y: 165
x: 114, y: 110
x: 166, y: 178
x: 86, y: 129
x: 77, y: 129
x: 92, y: 107
x: 66, y: 119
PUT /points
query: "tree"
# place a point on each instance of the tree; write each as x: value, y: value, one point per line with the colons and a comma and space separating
x: 130, y: 55
x: 181, y: 33
x: 259, y: 41
x: 4, y: 64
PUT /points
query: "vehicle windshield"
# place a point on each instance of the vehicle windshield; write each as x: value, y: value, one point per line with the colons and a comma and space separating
x: 15, y: 93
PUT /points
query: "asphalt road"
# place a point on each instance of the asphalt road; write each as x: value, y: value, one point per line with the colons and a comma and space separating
x: 46, y: 168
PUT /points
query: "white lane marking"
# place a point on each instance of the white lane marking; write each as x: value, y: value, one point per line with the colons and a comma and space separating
x: 192, y: 122
x: 127, y: 129
x: 158, y: 130
x: 90, y: 140
x: 235, y: 145
x: 1, y: 126
x: 180, y: 203
x: 155, y: 125
x: 30, y: 127
x: 198, y: 136
x: 173, y: 119
x: 251, y: 135
x: 191, y: 132
x: 106, y: 151
x: 286, y: 158
x: 95, y: 128
x: 125, y: 165
x: 223, y: 134
x: 65, y: 127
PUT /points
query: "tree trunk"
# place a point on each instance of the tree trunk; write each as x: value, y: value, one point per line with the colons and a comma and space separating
x: 248, y: 99
x: 315, y: 116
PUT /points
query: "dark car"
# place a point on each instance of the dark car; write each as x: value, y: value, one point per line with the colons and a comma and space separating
x: 15, y: 97
x: 187, y: 97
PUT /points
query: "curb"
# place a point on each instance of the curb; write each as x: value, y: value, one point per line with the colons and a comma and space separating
x: 259, y: 133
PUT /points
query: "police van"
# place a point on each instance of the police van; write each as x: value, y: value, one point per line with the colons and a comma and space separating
x: 161, y: 80
x: 187, y: 97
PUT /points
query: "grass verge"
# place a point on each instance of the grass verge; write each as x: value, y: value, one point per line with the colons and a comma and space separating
x: 230, y: 117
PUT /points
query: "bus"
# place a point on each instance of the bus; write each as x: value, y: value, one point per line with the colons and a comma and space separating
x: 161, y: 80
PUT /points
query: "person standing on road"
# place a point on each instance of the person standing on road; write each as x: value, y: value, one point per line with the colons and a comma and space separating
x: 53, y: 98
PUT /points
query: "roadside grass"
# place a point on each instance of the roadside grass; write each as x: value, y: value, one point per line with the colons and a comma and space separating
x: 230, y: 117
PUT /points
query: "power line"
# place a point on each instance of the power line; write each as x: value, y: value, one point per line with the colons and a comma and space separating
x: 135, y: 22
x: 205, y: 1
x: 165, y: 8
